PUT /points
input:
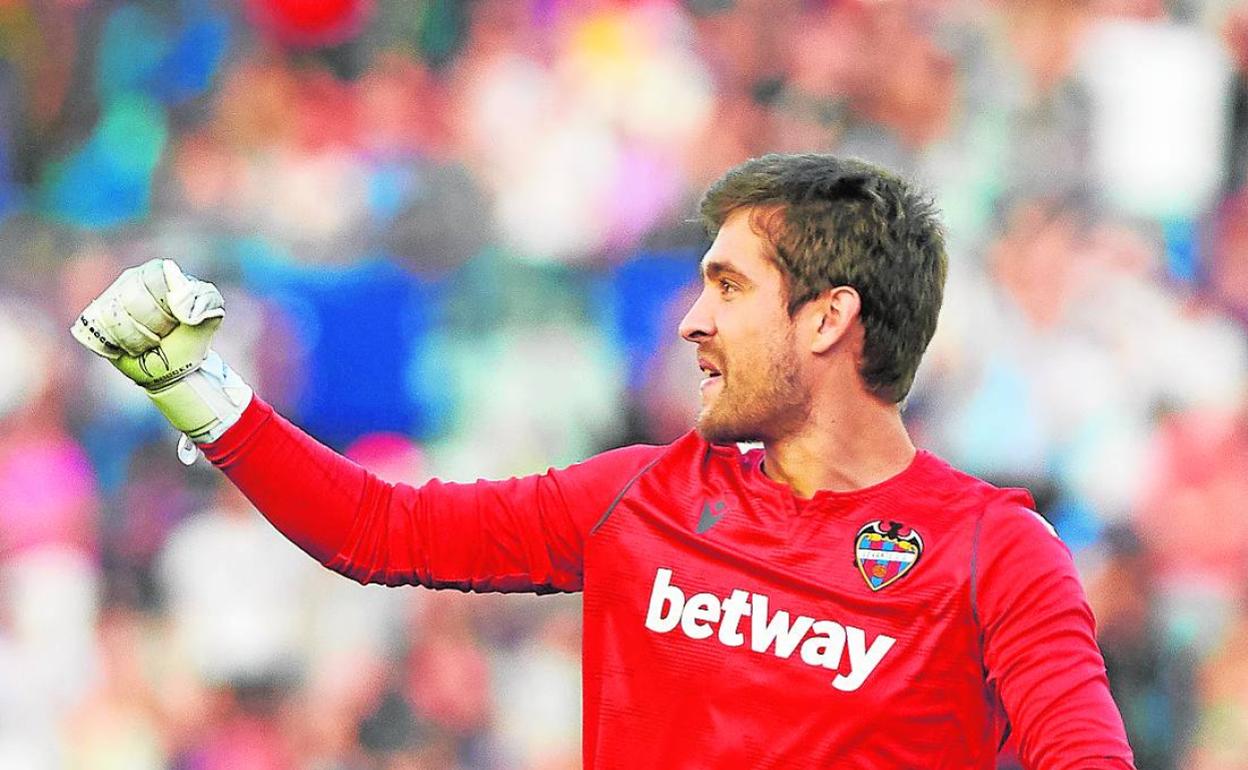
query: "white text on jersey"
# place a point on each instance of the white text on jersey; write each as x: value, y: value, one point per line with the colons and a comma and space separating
x: 697, y: 616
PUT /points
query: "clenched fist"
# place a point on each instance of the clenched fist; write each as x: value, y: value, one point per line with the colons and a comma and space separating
x: 155, y: 324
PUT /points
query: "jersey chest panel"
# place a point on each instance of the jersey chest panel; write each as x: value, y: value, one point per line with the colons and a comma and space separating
x: 719, y: 613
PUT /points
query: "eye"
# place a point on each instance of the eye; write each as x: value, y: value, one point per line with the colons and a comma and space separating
x: 727, y: 287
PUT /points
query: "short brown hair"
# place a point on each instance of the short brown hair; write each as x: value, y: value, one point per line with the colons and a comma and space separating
x: 840, y: 222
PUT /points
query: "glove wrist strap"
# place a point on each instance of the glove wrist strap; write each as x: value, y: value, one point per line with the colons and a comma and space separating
x: 206, y: 402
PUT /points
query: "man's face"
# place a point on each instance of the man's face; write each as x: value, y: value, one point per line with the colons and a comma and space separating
x: 747, y: 344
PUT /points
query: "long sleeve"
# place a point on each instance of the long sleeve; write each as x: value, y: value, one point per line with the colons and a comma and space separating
x: 1039, y: 644
x: 522, y: 534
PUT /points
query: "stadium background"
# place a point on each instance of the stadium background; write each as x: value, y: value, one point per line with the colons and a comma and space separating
x: 454, y: 239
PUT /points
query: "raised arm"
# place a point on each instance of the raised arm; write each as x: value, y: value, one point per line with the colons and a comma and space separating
x: 522, y: 534
x: 155, y: 324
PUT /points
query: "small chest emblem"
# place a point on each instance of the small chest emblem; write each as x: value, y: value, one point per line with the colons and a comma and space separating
x: 885, y: 553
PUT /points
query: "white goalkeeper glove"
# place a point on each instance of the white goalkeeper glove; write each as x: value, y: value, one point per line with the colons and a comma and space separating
x: 155, y: 324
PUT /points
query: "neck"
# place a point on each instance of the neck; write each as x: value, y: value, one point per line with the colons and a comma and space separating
x: 850, y: 445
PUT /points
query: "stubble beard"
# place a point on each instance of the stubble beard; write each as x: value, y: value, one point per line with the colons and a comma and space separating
x: 758, y: 406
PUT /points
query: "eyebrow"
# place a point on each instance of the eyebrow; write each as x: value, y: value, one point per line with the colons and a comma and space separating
x: 716, y: 269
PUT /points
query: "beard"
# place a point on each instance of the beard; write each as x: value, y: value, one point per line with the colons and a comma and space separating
x: 761, y: 402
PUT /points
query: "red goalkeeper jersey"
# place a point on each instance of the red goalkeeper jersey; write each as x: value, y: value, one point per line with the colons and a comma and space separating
x: 730, y: 624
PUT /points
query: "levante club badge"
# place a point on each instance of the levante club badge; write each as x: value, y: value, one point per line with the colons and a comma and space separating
x: 886, y: 554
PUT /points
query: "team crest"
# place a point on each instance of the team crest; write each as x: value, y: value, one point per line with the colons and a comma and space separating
x: 885, y: 554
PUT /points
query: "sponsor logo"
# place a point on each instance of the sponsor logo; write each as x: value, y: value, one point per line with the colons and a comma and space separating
x: 709, y: 517
x: 884, y: 556
x: 818, y: 643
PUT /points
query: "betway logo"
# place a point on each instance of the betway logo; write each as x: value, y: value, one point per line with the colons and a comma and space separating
x: 698, y: 615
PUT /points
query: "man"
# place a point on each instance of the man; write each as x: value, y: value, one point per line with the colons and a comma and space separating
x: 834, y: 599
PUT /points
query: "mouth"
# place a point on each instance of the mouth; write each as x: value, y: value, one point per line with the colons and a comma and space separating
x: 711, y: 375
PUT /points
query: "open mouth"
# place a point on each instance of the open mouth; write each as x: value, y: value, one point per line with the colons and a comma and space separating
x: 710, y: 373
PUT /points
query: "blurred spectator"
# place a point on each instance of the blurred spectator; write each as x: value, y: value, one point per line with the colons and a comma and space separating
x: 1221, y: 741
x: 1155, y: 83
x: 120, y: 724
x: 233, y: 588
x: 1150, y: 674
x: 1198, y: 481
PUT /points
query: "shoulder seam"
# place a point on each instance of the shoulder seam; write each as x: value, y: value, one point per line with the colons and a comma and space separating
x: 623, y: 491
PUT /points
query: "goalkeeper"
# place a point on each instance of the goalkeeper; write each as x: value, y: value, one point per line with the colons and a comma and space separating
x: 837, y: 598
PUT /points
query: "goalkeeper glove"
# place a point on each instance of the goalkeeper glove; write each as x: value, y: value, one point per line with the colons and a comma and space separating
x: 155, y: 324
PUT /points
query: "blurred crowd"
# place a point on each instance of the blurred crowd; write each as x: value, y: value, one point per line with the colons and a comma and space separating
x: 454, y: 239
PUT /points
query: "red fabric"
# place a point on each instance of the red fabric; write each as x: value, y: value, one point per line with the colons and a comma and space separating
x: 780, y: 653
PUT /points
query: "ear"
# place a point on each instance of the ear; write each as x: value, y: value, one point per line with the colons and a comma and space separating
x: 836, y: 310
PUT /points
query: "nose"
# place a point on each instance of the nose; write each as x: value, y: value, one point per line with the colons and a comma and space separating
x: 698, y: 323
